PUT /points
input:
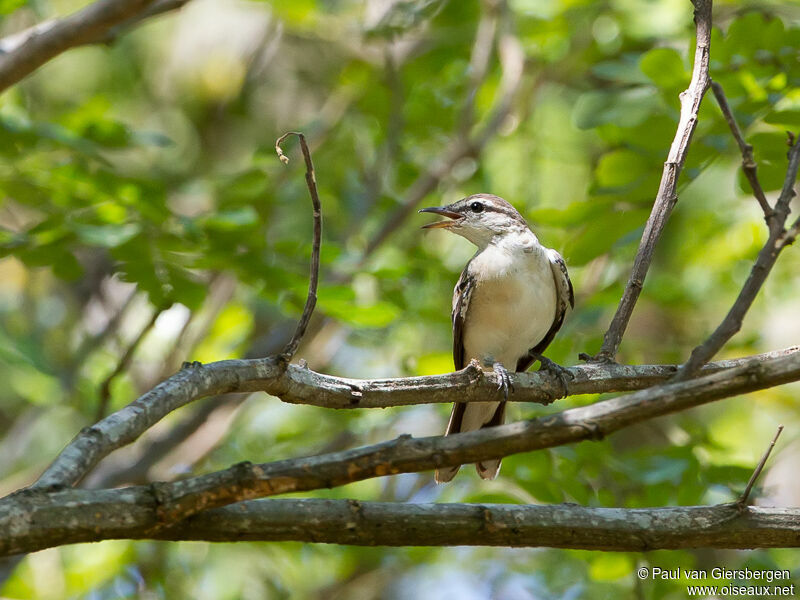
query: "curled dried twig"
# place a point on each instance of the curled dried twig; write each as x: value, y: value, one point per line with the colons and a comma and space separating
x: 313, y: 280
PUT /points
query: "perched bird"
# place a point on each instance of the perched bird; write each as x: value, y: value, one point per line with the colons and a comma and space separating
x: 508, y: 305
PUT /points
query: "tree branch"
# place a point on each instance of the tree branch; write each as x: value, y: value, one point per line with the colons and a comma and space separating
x: 178, y: 500
x: 778, y: 239
x: 23, y: 53
x: 299, y: 385
x: 666, y: 198
x: 749, y: 166
x: 80, y: 516
x: 313, y: 280
x: 123, y: 363
x: 405, y: 454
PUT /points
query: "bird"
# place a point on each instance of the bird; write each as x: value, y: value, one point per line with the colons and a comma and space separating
x: 508, y: 305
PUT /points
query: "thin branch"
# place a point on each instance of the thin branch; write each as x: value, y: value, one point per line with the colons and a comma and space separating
x: 122, y: 365
x: 791, y: 234
x: 760, y: 467
x: 24, y: 53
x: 512, y: 60
x: 749, y: 166
x: 666, y: 198
x: 311, y: 299
x: 296, y: 384
x: 90, y: 343
x: 81, y: 516
x: 778, y: 239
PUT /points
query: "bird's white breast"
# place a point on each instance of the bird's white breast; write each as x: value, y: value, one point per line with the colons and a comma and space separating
x: 512, y: 305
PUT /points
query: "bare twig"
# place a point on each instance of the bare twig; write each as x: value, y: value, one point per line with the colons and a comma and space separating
x: 122, y: 364
x: 311, y: 299
x: 26, y: 52
x: 778, y: 239
x: 760, y: 467
x: 90, y: 343
x: 666, y: 197
x: 749, y: 166
x: 81, y: 516
x: 512, y: 59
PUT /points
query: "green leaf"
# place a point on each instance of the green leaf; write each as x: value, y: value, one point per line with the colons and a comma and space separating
x: 784, y: 118
x: 229, y: 220
x: 9, y: 6
x: 621, y: 168
x: 625, y: 109
x: 665, y: 68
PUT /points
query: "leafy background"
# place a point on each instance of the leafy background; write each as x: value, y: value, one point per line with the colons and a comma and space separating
x: 145, y: 220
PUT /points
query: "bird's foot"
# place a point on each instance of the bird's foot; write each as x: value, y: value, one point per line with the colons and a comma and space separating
x: 505, y: 384
x: 562, y: 373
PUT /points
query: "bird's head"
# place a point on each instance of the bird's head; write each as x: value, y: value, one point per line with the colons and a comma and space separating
x: 479, y: 218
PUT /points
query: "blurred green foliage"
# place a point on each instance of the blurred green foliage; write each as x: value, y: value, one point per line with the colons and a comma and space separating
x: 150, y: 162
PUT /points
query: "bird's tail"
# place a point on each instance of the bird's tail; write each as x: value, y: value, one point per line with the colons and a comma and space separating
x: 469, y: 417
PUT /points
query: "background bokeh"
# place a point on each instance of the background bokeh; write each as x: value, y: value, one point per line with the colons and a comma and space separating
x: 145, y: 220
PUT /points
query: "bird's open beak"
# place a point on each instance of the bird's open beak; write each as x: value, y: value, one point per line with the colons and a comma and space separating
x: 440, y: 210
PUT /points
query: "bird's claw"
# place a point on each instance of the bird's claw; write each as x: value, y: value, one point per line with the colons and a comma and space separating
x: 563, y: 374
x: 505, y: 384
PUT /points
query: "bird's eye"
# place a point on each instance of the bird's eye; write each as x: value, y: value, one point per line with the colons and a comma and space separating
x: 476, y: 207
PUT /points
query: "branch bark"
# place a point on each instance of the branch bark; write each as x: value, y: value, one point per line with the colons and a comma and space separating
x: 178, y: 500
x: 666, y: 198
x: 79, y: 516
x: 24, y: 52
x: 749, y: 167
x: 299, y: 385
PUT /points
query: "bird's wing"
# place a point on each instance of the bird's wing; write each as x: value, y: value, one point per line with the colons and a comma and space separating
x: 461, y: 296
x: 564, y: 296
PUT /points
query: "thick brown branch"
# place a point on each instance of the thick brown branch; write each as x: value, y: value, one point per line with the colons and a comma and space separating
x: 749, y: 166
x: 298, y: 385
x: 81, y: 516
x: 667, y: 197
x: 778, y: 239
x: 25, y: 52
x: 313, y: 279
